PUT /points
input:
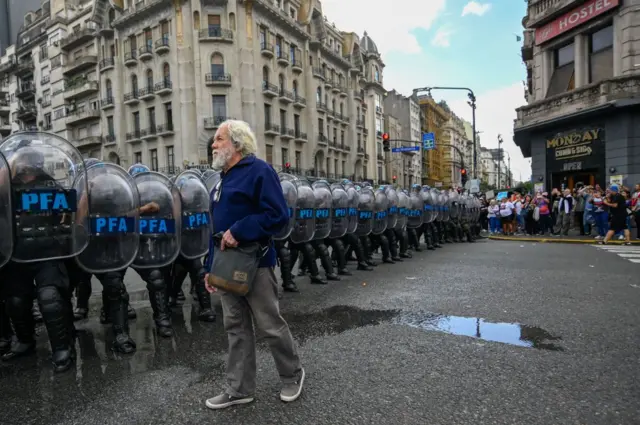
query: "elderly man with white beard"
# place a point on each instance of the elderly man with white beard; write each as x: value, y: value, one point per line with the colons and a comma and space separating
x: 248, y: 206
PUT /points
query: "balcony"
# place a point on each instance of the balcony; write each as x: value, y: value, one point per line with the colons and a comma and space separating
x: 25, y: 68
x: 131, y: 98
x: 283, y: 58
x: 335, y: 88
x: 26, y: 91
x: 5, y: 128
x: 267, y: 50
x: 213, y: 123
x: 162, y: 45
x: 318, y: 73
x: 527, y: 45
x: 360, y: 123
x: 328, y: 83
x: 542, y: 11
x: 80, y: 88
x: 296, y: 65
x: 380, y: 157
x: 287, y: 133
x: 270, y: 90
x: 27, y: 112
x: 217, y: 80
x: 358, y: 95
x: 146, y: 93
x: 109, y: 139
x: 321, y: 107
x: 107, y: 103
x: 140, y: 10
x: 216, y: 34
x: 45, y: 80
x: 80, y: 64
x: 286, y: 96
x: 46, y: 103
x: 79, y: 37
x: 322, y: 139
x: 360, y: 151
x: 164, y: 130
x: 343, y: 90
x: 133, y: 136
x: 4, y: 107
x: 131, y: 58
x: 590, y: 98
x: 299, y: 102
x: 9, y: 65
x: 81, y: 115
x: 145, y: 52
x: 106, y: 64
x: 163, y: 88
x: 149, y: 133
x: 300, y: 136
x: 88, y: 141
x: 271, y: 129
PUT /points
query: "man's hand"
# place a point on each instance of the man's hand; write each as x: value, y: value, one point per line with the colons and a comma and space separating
x: 209, y: 288
x: 228, y: 241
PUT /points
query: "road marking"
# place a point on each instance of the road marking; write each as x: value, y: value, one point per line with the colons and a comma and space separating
x: 629, y: 253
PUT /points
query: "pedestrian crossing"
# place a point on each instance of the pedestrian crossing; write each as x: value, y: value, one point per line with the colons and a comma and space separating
x: 630, y: 253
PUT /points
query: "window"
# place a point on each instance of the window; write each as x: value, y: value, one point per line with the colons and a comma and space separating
x: 151, y: 113
x: 601, y: 54
x: 335, y: 166
x: 359, y: 141
x: 267, y: 115
x: 285, y: 155
x: 265, y: 76
x: 342, y: 109
x: 378, y: 125
x: 110, y: 128
x: 154, y: 159
x: 263, y: 37
x: 137, y: 157
x: 148, y: 38
x: 109, y: 90
x: 279, y: 47
x: 219, y: 106
x: 296, y: 124
x: 136, y: 121
x: 344, y: 166
x: 171, y: 159
x: 292, y: 52
x: 149, y: 80
x: 168, y: 115
x: 342, y: 137
x: 164, y: 29
x: 214, y: 24
x: 335, y: 135
x: 379, y: 172
x: 333, y: 105
x: 134, y: 84
x: 217, y: 65
x: 562, y: 79
x: 298, y: 159
x: 166, y: 75
x: 281, y: 85
x: 196, y: 21
x: 270, y: 154
x: 295, y: 89
x: 319, y: 95
x: 47, y: 120
x: 283, y: 119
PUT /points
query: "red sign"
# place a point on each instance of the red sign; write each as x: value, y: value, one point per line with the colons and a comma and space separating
x: 574, y: 18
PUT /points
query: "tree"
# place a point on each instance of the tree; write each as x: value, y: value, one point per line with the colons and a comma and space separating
x: 526, y: 186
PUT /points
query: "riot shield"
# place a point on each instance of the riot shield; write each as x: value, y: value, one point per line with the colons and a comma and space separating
x: 138, y: 168
x: 380, y: 212
x: 444, y: 202
x: 435, y: 209
x: 427, y: 205
x: 454, y: 208
x: 415, y: 214
x: 404, y: 206
x: 212, y: 180
x: 197, y: 171
x: 290, y: 193
x: 305, y: 226
x: 44, y: 199
x: 340, y: 214
x: 196, y: 215
x: 324, y: 203
x: 392, y: 216
x: 352, y: 211
x: 207, y: 173
x: 160, y: 222
x: 111, y: 210
x: 6, y: 213
x: 366, y: 205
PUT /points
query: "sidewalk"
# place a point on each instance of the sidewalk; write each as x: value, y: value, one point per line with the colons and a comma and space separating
x: 572, y: 238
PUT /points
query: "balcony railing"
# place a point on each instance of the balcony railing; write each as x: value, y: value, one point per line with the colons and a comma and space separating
x: 79, y: 36
x: 133, y: 135
x: 214, y: 122
x: 163, y: 87
x: 145, y: 52
x: 216, y: 34
x: 267, y: 49
x: 162, y: 45
x: 106, y: 63
x: 217, y: 79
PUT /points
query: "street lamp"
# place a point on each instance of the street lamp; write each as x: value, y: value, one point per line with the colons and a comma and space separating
x: 472, y: 103
x: 499, y: 157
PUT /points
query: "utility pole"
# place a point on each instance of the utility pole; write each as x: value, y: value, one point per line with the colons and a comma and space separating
x: 472, y: 103
x: 499, y: 158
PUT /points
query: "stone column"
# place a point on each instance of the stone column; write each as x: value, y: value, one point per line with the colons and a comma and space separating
x: 547, y: 72
x: 581, y: 61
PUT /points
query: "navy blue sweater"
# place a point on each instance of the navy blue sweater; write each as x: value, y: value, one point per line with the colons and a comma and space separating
x: 251, y: 205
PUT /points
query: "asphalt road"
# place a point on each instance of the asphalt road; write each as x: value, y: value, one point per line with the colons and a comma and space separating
x: 373, y: 354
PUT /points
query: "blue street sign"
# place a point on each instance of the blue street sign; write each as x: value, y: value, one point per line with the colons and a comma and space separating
x: 406, y: 149
x: 428, y: 141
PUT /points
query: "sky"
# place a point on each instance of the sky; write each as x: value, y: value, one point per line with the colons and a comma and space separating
x: 450, y: 43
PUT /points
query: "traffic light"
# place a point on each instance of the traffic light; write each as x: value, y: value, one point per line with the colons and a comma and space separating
x: 287, y: 167
x: 463, y: 175
x: 395, y: 178
x: 385, y: 142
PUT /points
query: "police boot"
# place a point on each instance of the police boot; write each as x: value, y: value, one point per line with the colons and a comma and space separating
x: 118, y: 302
x: 19, y: 310
x: 309, y: 258
x: 59, y: 327
x: 83, y: 293
x: 303, y: 266
x: 5, y: 329
x: 367, y: 248
x: 403, y: 242
x: 360, y: 254
x: 35, y: 311
x: 393, y: 245
x: 207, y: 313
x: 386, y: 252
x: 341, y: 257
x: 325, y: 260
x: 286, y: 265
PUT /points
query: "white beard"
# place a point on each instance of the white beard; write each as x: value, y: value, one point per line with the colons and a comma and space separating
x: 221, y: 158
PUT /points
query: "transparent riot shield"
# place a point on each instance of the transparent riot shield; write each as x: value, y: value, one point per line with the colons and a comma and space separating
x: 6, y: 213
x: 340, y: 214
x: 404, y: 207
x: 435, y: 207
x: 110, y: 208
x: 352, y: 211
x: 427, y: 205
x: 44, y: 198
x: 416, y: 206
x: 380, y: 212
x: 324, y: 203
x: 196, y: 215
x: 160, y: 222
x: 366, y: 205
x: 305, y: 226
x: 207, y: 173
x: 138, y: 168
x: 290, y: 193
x: 454, y: 207
x: 443, y: 200
x: 392, y: 215
x: 212, y: 180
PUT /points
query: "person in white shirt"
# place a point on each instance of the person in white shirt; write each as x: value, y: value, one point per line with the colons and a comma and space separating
x: 506, y: 216
x: 492, y: 212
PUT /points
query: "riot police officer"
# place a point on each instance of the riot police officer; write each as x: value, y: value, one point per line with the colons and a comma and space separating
x: 285, y: 259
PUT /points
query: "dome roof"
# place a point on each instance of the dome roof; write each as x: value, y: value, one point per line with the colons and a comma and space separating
x: 367, y: 45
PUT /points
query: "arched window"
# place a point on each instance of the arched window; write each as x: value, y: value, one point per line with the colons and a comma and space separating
x: 265, y: 75
x: 232, y: 21
x: 134, y: 83
x: 376, y: 74
x: 196, y: 20
x: 217, y: 65
x: 281, y: 82
x: 319, y: 95
x: 150, y: 79
x: 166, y: 74
x: 294, y: 87
x: 109, y: 89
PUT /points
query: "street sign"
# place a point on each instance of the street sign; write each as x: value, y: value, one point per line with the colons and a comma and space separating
x: 474, y: 186
x: 428, y: 141
x: 406, y: 149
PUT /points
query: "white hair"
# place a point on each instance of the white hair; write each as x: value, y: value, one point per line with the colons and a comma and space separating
x: 242, y: 137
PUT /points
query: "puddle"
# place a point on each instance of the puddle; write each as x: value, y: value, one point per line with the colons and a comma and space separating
x: 506, y: 333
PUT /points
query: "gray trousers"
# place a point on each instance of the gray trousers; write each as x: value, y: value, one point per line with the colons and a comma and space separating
x: 239, y: 314
x: 563, y: 222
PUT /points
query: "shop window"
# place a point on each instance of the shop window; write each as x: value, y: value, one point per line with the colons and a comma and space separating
x: 601, y: 54
x: 562, y: 79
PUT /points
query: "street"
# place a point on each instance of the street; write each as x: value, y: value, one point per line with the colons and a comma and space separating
x: 565, y: 318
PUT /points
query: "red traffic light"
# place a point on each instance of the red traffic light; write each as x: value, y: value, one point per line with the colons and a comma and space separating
x: 287, y: 165
x: 463, y: 171
x: 385, y: 137
x: 395, y: 177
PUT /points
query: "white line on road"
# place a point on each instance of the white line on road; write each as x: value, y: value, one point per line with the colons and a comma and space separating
x: 629, y: 253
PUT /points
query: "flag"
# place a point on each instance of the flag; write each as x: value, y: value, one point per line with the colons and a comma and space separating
x: 518, y: 38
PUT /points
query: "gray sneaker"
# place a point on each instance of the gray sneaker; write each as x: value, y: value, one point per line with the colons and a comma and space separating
x: 291, y: 392
x: 225, y: 400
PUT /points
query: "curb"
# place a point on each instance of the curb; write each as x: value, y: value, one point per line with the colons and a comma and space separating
x: 557, y: 240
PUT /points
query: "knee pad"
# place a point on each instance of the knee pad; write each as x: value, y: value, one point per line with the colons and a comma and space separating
x: 155, y: 280
x: 50, y: 300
